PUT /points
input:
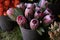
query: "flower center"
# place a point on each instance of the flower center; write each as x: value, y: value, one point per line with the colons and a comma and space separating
x: 34, y: 21
x: 20, y: 18
x: 38, y: 12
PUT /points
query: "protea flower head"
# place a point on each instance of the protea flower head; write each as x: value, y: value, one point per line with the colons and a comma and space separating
x: 22, y: 6
x: 10, y: 13
x: 48, y: 19
x: 26, y: 4
x: 47, y: 11
x: 35, y: 4
x: 29, y: 10
x: 21, y: 20
x: 37, y: 8
x: 31, y: 6
x: 42, y: 3
x: 38, y: 13
x: 34, y: 23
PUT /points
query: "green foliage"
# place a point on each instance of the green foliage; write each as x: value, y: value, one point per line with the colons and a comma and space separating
x: 18, y: 11
x: 15, y: 34
x: 40, y: 30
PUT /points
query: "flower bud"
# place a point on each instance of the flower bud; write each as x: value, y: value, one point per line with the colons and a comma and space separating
x: 42, y: 3
x: 47, y: 11
x: 21, y: 20
x: 37, y: 13
x: 37, y: 8
x: 31, y: 6
x: 10, y: 13
x: 29, y: 10
x: 22, y: 6
x: 48, y: 19
x: 26, y: 4
x: 34, y: 23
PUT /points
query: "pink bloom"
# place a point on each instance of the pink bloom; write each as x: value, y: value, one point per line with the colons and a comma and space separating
x: 37, y: 8
x: 21, y: 5
x: 37, y: 14
x: 42, y: 3
x: 26, y: 4
x: 29, y: 5
x: 47, y: 11
x: 10, y: 11
x: 48, y: 19
x: 34, y: 23
x: 21, y: 20
x: 29, y: 10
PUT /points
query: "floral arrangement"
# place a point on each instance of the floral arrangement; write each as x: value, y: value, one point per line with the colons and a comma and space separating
x: 33, y: 16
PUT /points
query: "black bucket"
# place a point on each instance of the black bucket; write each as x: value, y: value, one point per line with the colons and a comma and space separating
x: 29, y: 34
x: 6, y: 24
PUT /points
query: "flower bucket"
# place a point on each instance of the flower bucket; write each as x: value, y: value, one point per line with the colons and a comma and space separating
x: 29, y: 34
x: 5, y: 23
x: 32, y: 35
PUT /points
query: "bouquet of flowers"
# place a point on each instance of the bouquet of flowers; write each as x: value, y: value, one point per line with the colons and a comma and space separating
x: 33, y: 16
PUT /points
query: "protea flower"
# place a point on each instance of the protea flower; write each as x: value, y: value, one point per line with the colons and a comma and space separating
x: 42, y: 3
x: 29, y: 9
x: 48, y: 19
x: 21, y: 20
x: 34, y: 23
x: 26, y: 4
x: 47, y: 11
x: 22, y: 6
x: 31, y: 6
x: 37, y: 8
x: 10, y: 13
x: 38, y: 13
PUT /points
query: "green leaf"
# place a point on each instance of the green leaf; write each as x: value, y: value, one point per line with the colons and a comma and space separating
x: 40, y: 30
x: 18, y: 11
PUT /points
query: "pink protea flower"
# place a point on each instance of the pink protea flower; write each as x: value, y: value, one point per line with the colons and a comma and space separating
x: 29, y: 10
x: 31, y: 6
x: 21, y: 5
x: 37, y: 8
x: 10, y: 11
x: 48, y: 19
x: 34, y: 23
x: 26, y: 4
x: 42, y: 3
x: 47, y: 11
x: 38, y: 13
x: 21, y: 20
